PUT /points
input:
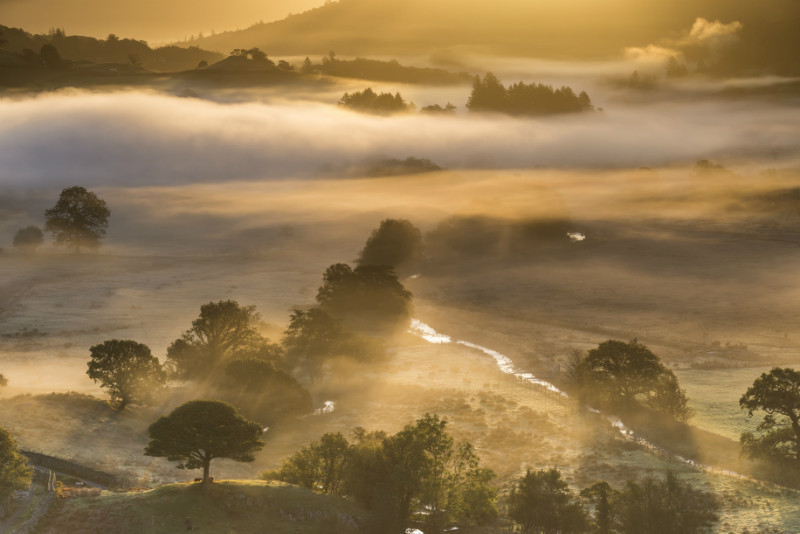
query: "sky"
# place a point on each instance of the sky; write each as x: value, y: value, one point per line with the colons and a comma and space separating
x: 155, y: 21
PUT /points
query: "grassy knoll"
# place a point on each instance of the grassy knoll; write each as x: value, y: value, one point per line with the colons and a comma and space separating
x: 228, y: 507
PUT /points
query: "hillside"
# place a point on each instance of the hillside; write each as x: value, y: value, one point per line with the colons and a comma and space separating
x: 78, y: 48
x: 230, y: 506
x: 569, y: 29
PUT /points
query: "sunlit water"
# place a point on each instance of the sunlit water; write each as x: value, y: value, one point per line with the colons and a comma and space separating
x: 504, y: 363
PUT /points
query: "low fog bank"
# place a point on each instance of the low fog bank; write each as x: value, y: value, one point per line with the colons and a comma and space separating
x: 135, y: 138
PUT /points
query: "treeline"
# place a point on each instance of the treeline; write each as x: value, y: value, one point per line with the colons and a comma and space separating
x: 385, y: 71
x: 488, y: 95
x: 421, y: 477
x: 76, y: 51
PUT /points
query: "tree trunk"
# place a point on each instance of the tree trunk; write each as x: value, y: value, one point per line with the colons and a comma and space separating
x: 206, y: 466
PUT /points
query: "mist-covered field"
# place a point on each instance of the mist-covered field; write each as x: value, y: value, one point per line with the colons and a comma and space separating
x: 684, y: 200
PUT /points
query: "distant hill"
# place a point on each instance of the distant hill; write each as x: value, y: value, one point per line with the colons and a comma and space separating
x: 76, y: 48
x: 583, y: 29
x: 231, y: 506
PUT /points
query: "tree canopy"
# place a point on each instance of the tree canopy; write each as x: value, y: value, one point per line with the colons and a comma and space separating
x: 777, y: 437
x: 488, y: 94
x: 261, y: 391
x: 127, y: 369
x: 79, y: 219
x: 369, y: 297
x: 199, y: 431
x: 616, y: 374
x: 396, y: 243
x: 28, y: 239
x: 541, y: 501
x: 15, y: 471
x: 314, y: 338
x: 419, y: 468
x: 369, y: 101
x: 223, y: 331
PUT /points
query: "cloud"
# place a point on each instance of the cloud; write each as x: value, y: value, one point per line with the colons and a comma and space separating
x: 650, y: 54
x: 149, y: 139
x: 704, y: 31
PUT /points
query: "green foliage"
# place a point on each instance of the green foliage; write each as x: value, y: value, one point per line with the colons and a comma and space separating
x: 665, y: 507
x: 369, y: 297
x: 320, y: 466
x: 419, y: 468
x: 776, y: 393
x: 368, y: 101
x: 15, y: 471
x: 540, y: 501
x: 396, y: 243
x: 28, y: 239
x: 616, y: 373
x: 488, y: 94
x: 79, y: 219
x: 223, y: 331
x: 199, y: 431
x: 128, y: 370
x: 603, y: 498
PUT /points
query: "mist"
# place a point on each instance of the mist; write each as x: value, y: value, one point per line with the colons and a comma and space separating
x: 135, y: 138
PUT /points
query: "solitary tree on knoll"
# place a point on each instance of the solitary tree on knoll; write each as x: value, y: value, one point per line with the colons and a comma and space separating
x: 79, y: 219
x: 199, y: 431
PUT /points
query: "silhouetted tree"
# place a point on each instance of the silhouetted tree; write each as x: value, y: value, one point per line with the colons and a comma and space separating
x: 604, y: 499
x: 371, y: 102
x: 3, y: 381
x: 28, y: 239
x: 79, y: 219
x: 128, y: 370
x: 488, y: 94
x: 51, y: 57
x: 420, y: 468
x: 15, y: 471
x: 320, y: 466
x: 435, y: 109
x: 777, y: 438
x: 665, y: 507
x: 199, y: 431
x: 133, y: 60
x: 285, y: 65
x: 369, y: 297
x: 261, y: 391
x: 223, y: 331
x: 540, y: 501
x: 313, y: 337
x: 308, y: 67
x: 396, y: 243
x: 616, y: 373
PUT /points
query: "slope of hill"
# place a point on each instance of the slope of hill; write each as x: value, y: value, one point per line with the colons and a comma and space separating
x: 229, y: 506
x: 110, y: 50
x: 567, y: 29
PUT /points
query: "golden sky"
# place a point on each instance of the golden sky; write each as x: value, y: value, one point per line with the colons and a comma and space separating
x: 156, y: 21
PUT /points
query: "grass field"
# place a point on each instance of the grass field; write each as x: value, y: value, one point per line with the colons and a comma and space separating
x: 229, y: 507
x: 674, y: 281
